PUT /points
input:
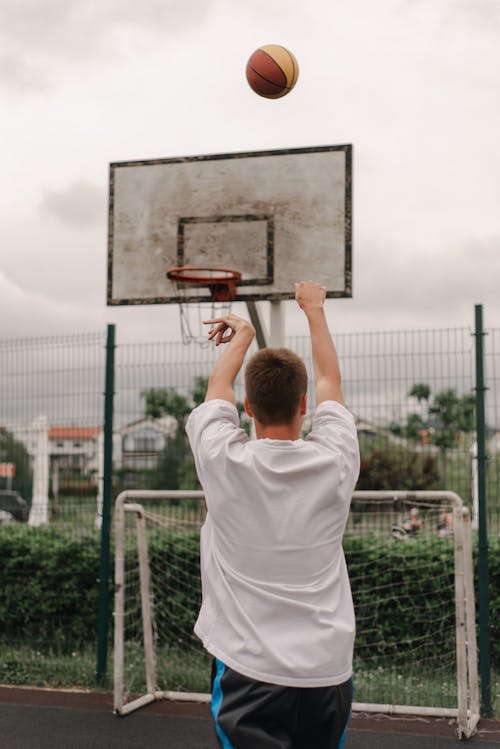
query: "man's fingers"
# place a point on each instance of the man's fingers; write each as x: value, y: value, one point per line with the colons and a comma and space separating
x: 225, y: 328
x: 224, y: 337
x: 222, y: 332
x: 229, y: 320
x: 309, y: 293
x: 216, y: 328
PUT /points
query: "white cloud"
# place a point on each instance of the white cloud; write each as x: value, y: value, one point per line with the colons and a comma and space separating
x: 41, y: 37
x: 71, y: 28
x: 27, y: 314
x: 80, y: 204
x: 18, y: 74
x: 412, y: 84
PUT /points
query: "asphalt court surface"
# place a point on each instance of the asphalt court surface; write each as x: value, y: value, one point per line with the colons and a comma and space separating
x: 46, y: 719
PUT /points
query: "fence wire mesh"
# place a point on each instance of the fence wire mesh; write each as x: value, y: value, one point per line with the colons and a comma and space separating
x: 51, y: 414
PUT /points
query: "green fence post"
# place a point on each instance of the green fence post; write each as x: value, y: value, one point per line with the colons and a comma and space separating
x: 484, y: 637
x: 102, y: 627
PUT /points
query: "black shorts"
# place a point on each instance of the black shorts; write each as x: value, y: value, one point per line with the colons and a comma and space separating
x: 252, y: 714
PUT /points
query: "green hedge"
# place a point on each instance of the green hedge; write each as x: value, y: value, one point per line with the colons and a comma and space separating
x: 367, y: 556
x: 416, y: 579
x: 176, y: 598
x: 49, y: 587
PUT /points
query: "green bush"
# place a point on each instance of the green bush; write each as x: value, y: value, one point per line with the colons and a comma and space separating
x: 386, y: 465
x: 367, y: 559
x: 48, y: 586
x: 176, y: 587
x: 494, y: 598
x: 396, y: 568
x: 12, y: 451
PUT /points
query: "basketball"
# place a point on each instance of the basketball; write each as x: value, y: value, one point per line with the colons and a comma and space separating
x: 272, y: 71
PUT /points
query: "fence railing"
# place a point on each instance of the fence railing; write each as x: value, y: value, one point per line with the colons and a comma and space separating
x: 412, y: 394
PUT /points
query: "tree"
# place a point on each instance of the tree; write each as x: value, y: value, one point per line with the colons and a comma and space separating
x: 166, y: 401
x: 176, y: 468
x: 420, y: 391
x: 444, y: 418
x: 450, y: 415
x: 12, y: 451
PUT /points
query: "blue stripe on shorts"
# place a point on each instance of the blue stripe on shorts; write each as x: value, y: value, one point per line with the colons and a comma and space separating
x: 217, y: 696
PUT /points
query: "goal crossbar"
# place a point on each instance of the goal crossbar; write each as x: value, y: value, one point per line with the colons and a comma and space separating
x: 466, y: 713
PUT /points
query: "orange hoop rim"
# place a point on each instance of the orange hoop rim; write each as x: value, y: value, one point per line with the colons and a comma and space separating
x: 221, y: 282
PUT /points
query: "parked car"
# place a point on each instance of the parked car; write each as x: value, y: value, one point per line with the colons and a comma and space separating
x: 12, y: 507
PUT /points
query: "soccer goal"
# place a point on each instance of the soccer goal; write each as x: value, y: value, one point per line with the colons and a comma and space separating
x: 410, y: 563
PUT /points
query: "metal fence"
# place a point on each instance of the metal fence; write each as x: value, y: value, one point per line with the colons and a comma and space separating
x: 60, y: 382
x: 52, y: 420
x: 379, y: 372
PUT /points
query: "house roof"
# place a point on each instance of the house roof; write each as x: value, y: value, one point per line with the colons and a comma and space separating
x: 166, y: 424
x: 73, y: 433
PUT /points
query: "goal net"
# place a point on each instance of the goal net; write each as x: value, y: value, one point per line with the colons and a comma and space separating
x: 410, y: 563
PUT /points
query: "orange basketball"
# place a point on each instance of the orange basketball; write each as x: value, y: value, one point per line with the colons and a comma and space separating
x: 272, y: 71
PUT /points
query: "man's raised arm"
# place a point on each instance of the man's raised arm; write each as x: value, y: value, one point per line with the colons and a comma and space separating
x: 238, y: 334
x: 310, y: 297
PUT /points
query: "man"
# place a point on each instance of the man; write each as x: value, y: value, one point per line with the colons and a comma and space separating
x: 277, y: 611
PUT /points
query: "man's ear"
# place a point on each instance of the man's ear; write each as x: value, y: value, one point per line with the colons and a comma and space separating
x: 303, y: 405
x: 247, y: 407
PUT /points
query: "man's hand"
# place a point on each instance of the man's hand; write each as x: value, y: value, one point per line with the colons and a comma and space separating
x: 228, y: 328
x: 230, y: 322
x: 309, y: 295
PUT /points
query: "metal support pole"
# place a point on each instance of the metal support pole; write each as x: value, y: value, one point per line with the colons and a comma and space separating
x: 484, y: 638
x: 276, y: 336
x: 102, y: 627
x: 257, y: 323
x: 276, y: 325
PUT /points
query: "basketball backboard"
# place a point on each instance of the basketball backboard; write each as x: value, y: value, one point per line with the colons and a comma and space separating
x: 276, y: 216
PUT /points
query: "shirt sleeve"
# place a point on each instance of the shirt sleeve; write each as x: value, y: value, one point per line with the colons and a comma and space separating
x: 210, y: 427
x: 334, y: 429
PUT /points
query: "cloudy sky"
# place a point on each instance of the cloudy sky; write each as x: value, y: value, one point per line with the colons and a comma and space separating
x: 412, y: 84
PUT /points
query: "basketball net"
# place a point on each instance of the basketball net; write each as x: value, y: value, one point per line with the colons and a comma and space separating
x: 192, y: 315
x: 221, y: 284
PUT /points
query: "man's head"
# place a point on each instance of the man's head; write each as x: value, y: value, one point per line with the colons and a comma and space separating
x: 276, y: 385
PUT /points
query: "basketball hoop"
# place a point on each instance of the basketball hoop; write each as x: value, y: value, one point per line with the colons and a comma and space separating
x: 192, y: 281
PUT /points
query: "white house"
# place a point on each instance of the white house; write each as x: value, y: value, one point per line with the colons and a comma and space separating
x: 138, y: 445
x: 74, y: 448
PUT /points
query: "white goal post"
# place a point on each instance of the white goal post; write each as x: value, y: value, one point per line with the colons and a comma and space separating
x: 410, y: 561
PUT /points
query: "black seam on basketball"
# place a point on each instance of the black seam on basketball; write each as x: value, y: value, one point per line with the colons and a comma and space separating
x: 294, y: 69
x: 277, y: 65
x: 279, y: 86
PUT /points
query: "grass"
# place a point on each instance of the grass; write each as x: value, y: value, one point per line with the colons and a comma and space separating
x: 74, y: 514
x: 411, y: 685
x: 21, y: 665
x: 177, y: 670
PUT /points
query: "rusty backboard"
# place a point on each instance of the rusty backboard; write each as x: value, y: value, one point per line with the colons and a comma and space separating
x: 276, y: 216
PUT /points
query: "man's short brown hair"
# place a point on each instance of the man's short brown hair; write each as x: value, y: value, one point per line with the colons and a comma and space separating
x: 275, y: 381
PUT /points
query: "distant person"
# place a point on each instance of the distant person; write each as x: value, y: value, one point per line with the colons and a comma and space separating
x: 277, y: 612
x: 445, y: 525
x: 414, y: 523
